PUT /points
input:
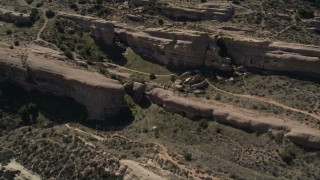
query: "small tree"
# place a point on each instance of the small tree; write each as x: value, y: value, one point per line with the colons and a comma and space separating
x: 50, y: 14
x: 152, y: 76
x: 33, y: 111
x: 24, y: 114
x: 188, y: 157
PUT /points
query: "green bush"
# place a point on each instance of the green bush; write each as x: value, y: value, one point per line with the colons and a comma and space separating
x: 50, y: 14
x: 152, y: 76
x: 29, y: 1
x: 306, y: 13
x: 8, y: 32
x: 288, y: 156
x: 24, y: 114
x: 188, y: 156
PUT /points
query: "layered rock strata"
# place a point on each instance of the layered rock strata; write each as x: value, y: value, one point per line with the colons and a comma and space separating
x: 237, y: 117
x: 206, y: 11
x: 98, y: 28
x: 193, y: 49
x: 276, y: 56
x: 102, y: 97
x: 14, y: 17
x: 316, y: 24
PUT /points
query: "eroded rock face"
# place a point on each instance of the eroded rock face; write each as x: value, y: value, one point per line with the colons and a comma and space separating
x: 99, y: 28
x: 101, y: 96
x: 179, y: 105
x: 206, y: 11
x: 14, y: 17
x: 236, y: 117
x: 276, y: 56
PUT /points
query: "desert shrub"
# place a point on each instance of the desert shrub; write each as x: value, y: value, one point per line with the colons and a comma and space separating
x: 24, y: 114
x: 306, y: 13
x: 29, y: 1
x: 219, y: 130
x: 34, y: 15
x: 8, y: 32
x: 16, y: 43
x: 203, y: 124
x: 161, y: 22
x: 33, y: 111
x: 68, y: 54
x: 50, y: 14
x: 152, y: 76
x: 236, y: 2
x: 288, y: 156
x: 188, y: 156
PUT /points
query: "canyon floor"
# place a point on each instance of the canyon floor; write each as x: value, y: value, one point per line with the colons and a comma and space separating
x: 174, y: 123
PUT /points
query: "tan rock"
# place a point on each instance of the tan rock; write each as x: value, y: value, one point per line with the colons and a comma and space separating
x: 276, y: 56
x: 237, y: 117
x: 101, y: 96
x: 206, y: 11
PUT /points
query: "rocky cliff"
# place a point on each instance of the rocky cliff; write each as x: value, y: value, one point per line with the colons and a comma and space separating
x: 206, y: 11
x: 234, y: 116
x: 316, y: 24
x: 14, y: 17
x: 276, y: 56
x: 101, y: 96
x: 192, y: 49
x: 98, y: 28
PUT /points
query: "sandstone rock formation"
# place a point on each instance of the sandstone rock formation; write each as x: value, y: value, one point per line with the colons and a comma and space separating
x: 101, y: 96
x: 172, y: 47
x: 236, y: 117
x: 206, y: 11
x: 276, y: 56
x: 191, y: 49
x: 14, y: 17
x: 99, y: 28
x: 136, y: 90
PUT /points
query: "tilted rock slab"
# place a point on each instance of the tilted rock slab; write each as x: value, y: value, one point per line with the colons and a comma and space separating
x: 14, y: 17
x: 234, y: 116
x: 276, y: 56
x: 206, y: 11
x: 102, y: 97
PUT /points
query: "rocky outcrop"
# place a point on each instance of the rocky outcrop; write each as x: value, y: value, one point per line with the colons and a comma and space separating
x: 206, y: 11
x: 275, y: 56
x: 99, y: 28
x: 14, y: 17
x: 101, y: 96
x: 177, y: 104
x: 236, y: 117
x: 186, y: 49
x: 136, y: 90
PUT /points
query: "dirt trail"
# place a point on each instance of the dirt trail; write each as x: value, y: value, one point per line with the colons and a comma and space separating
x: 266, y: 100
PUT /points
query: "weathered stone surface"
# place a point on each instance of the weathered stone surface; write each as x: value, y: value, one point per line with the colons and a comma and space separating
x: 237, y: 117
x: 14, y: 17
x: 99, y: 28
x: 276, y: 56
x: 179, y: 105
x: 136, y: 90
x: 101, y: 96
x: 206, y: 11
